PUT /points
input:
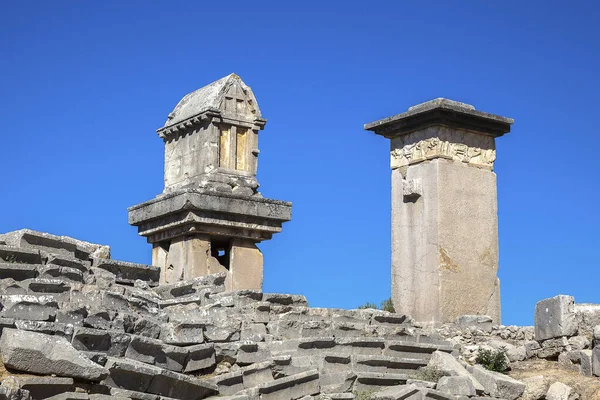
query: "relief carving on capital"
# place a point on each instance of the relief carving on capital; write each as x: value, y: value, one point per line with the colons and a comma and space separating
x: 427, y: 149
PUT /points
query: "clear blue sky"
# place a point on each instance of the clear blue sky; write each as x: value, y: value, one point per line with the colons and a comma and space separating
x: 85, y: 84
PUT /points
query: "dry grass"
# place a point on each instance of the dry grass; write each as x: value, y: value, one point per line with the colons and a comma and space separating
x: 588, y: 387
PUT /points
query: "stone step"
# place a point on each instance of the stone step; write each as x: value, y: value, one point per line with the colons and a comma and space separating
x: 63, y: 245
x: 15, y: 255
x: 139, y: 377
x: 291, y: 387
x: 42, y: 387
x: 127, y: 272
x: 373, y: 381
x: 386, y: 364
x: 19, y: 272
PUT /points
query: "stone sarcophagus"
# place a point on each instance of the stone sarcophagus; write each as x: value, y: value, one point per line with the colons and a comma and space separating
x: 210, y: 215
x: 444, y: 210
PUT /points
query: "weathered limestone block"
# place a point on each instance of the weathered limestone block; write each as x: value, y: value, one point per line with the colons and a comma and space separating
x: 456, y: 385
x: 535, y: 387
x: 18, y: 272
x: 577, y: 360
x: 42, y: 354
x: 62, y: 245
x: 155, y: 352
x: 200, y: 356
x: 444, y: 210
x: 560, y: 391
x: 44, y: 387
x: 29, y: 307
x: 127, y: 272
x: 292, y: 387
x: 498, y: 385
x: 482, y: 322
x: 140, y: 377
x: 410, y: 392
x: 450, y: 366
x: 555, y: 317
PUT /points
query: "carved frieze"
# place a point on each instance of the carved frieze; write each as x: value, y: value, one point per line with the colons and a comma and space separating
x: 412, y: 149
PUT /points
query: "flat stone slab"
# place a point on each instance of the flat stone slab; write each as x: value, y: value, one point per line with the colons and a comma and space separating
x: 140, y: 377
x: 27, y: 238
x: 46, y: 355
x: 127, y: 272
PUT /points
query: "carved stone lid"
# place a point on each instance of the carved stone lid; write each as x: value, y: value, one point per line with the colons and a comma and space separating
x: 441, y: 111
x: 228, y: 97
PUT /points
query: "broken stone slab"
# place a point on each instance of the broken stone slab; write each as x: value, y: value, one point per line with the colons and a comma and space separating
x: 18, y: 272
x: 127, y: 272
x: 336, y: 396
x: 30, y: 239
x: 337, y: 382
x: 111, y: 342
x: 50, y: 286
x: 560, y: 391
x: 130, y: 394
x: 15, y: 255
x: 372, y: 381
x: 42, y: 387
x: 30, y: 307
x: 535, y: 387
x: 140, y: 377
x: 456, y: 386
x: 48, y: 328
x: 498, y: 385
x: 65, y: 273
x: 69, y: 396
x: 67, y: 261
x: 551, y: 348
x: 43, y: 354
x: 555, y: 317
x: 292, y: 387
x: 155, y: 352
x: 360, y: 345
x: 237, y: 298
x: 449, y: 365
x: 387, y: 364
x: 182, y: 334
x: 216, y: 283
x: 200, y: 356
x: 410, y: 392
x: 295, y: 300
x: 577, y: 360
x: 10, y: 286
x: 404, y: 348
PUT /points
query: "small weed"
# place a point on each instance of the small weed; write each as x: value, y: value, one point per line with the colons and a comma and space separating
x: 10, y: 258
x: 387, y: 305
x: 363, y: 394
x: 367, y: 305
x: 428, y: 373
x: 493, y: 360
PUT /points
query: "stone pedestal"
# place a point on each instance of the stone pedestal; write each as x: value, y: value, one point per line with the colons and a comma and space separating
x: 210, y: 215
x: 444, y: 210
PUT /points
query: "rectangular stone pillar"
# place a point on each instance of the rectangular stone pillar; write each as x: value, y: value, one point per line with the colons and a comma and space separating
x: 444, y: 210
x: 246, y: 267
x: 189, y: 257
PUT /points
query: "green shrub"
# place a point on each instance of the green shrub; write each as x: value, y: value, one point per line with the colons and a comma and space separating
x: 367, y: 305
x: 493, y: 360
x: 428, y: 373
x: 387, y: 305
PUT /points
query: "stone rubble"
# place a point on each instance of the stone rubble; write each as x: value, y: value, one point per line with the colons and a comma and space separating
x: 75, y: 326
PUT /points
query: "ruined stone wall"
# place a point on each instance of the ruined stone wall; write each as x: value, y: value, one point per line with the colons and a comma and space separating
x: 78, y: 325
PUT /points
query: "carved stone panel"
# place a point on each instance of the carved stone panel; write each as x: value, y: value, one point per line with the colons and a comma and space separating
x: 441, y: 142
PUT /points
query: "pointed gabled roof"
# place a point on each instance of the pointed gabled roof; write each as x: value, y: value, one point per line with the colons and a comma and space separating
x: 216, y: 97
